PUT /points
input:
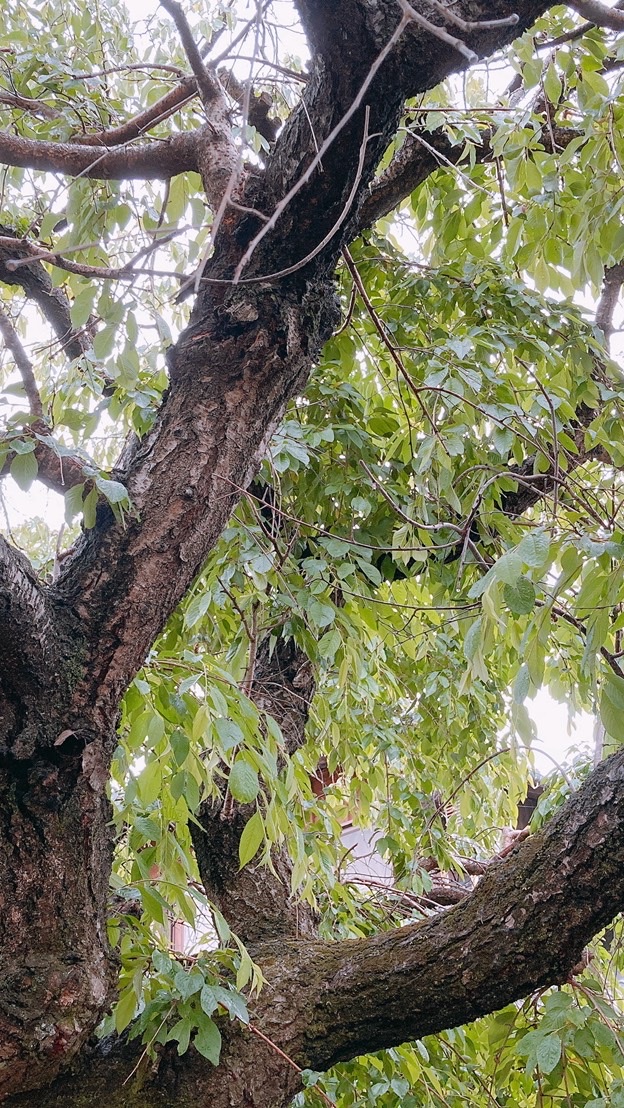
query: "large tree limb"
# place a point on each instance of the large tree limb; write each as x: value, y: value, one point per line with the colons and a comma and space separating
x: 157, y: 160
x: 523, y: 928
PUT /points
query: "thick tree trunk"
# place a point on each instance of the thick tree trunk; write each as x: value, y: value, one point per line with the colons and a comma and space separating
x: 57, y: 972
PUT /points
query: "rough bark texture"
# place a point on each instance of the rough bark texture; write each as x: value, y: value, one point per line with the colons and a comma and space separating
x: 70, y: 650
x: 523, y: 928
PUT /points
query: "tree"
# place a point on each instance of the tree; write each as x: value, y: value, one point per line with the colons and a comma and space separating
x: 311, y: 585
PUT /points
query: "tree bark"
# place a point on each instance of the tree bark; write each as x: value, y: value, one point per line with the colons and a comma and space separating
x: 523, y: 928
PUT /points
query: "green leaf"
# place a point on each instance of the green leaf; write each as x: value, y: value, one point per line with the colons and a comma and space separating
x: 208, y: 1000
x: 208, y: 1041
x: 520, y: 597
x: 534, y: 549
x: 251, y: 839
x: 24, y: 469
x: 548, y: 1053
x: 187, y: 983
x: 243, y: 782
x: 114, y: 491
x: 125, y: 1009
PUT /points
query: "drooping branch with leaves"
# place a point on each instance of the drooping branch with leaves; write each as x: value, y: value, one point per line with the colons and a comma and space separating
x: 318, y: 550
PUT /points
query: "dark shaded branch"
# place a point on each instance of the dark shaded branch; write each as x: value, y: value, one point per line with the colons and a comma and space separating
x: 24, y: 365
x: 36, y: 283
x: 157, y: 161
x: 611, y: 288
x: 419, y: 157
x: 133, y: 128
x: 27, y: 636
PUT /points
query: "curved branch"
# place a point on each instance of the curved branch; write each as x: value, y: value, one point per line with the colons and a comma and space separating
x: 37, y: 284
x: 256, y: 902
x: 158, y: 160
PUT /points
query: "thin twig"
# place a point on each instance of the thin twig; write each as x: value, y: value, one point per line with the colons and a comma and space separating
x: 291, y: 1062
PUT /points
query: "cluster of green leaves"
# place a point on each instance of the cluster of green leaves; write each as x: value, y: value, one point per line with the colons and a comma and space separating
x: 164, y: 997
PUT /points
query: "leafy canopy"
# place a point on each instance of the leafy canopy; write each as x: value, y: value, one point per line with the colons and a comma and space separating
x: 437, y: 524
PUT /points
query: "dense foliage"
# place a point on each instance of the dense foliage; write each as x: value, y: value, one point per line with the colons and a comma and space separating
x: 437, y: 523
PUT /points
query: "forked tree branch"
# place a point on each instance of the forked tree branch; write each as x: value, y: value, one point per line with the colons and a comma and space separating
x: 523, y: 928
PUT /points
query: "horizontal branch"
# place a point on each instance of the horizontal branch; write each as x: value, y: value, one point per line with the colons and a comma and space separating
x: 157, y: 160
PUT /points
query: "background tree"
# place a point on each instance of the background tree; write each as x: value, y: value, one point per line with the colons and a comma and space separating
x: 291, y: 593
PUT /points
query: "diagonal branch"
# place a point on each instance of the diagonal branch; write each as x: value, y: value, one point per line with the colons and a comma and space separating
x: 422, y: 153
x: 134, y: 128
x: 24, y: 365
x: 207, y: 83
x: 600, y: 15
x: 36, y: 283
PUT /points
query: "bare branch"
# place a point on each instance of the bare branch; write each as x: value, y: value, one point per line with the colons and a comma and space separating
x: 36, y: 283
x: 598, y: 14
x: 207, y: 83
x: 13, y: 343
x: 27, y: 104
x: 26, y: 636
x: 157, y: 161
x: 121, y: 273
